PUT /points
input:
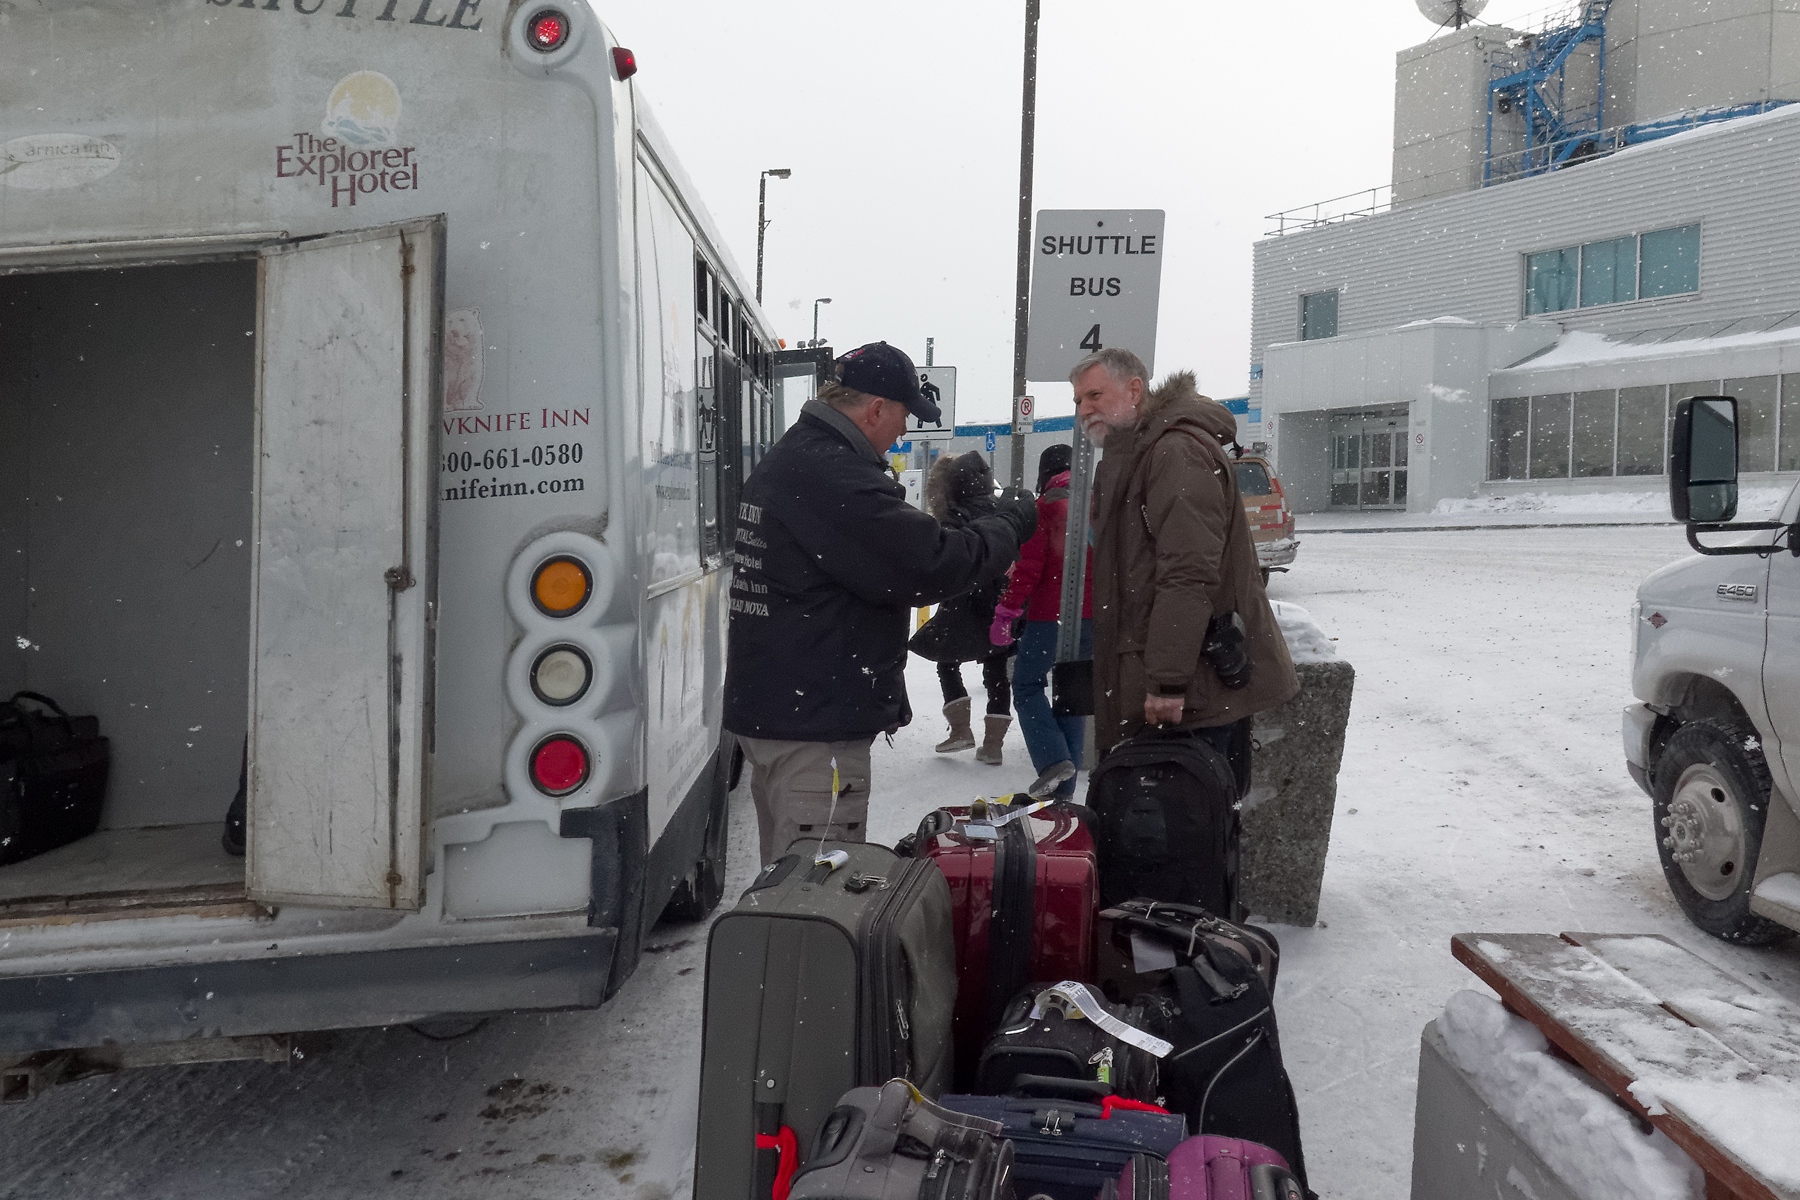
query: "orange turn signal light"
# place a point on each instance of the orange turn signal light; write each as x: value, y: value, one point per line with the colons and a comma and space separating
x: 561, y: 586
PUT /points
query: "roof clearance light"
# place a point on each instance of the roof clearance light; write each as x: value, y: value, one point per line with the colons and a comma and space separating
x: 560, y: 587
x: 559, y: 765
x: 560, y: 675
x: 624, y: 62
x: 547, y: 30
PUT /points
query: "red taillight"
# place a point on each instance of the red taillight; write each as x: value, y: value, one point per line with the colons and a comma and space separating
x: 624, y: 62
x: 559, y: 765
x: 547, y: 30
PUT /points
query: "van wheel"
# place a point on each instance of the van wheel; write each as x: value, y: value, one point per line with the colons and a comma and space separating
x: 1711, y: 795
x: 703, y: 886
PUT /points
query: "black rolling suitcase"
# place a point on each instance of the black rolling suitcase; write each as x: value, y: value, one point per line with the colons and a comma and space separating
x: 53, y: 770
x: 1055, y: 1053
x: 1067, y: 1150
x: 824, y: 978
x: 1216, y: 1005
x: 1168, y: 826
x: 890, y: 1143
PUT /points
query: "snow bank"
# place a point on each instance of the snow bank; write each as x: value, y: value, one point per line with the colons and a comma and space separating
x: 1575, y: 1126
x: 1306, y: 641
x: 1754, y: 503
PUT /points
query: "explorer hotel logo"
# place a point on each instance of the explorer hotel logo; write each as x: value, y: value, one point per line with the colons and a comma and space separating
x: 354, y: 152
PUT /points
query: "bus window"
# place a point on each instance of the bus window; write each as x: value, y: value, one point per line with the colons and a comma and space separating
x: 665, y: 253
x: 708, y: 466
x: 702, y: 290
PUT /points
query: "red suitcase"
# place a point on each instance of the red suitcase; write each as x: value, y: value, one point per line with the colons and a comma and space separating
x: 1025, y: 888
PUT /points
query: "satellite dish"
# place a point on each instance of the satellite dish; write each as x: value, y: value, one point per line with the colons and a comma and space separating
x: 1451, y: 12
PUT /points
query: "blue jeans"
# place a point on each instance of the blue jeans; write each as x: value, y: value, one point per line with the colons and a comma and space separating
x: 1049, y: 738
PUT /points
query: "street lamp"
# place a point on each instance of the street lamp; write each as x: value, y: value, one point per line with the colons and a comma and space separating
x: 816, y: 303
x: 762, y: 200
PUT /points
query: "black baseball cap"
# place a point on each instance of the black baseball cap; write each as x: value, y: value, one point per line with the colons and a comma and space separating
x: 878, y: 369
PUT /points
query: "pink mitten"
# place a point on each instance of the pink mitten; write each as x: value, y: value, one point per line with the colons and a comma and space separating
x: 1000, y: 632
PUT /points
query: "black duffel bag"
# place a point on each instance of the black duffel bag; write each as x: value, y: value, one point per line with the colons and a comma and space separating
x: 53, y: 770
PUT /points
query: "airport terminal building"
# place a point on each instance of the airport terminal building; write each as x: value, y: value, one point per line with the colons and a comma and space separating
x: 1586, y: 223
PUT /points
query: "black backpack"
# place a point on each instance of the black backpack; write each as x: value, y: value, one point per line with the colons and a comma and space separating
x: 1167, y: 828
x: 53, y: 770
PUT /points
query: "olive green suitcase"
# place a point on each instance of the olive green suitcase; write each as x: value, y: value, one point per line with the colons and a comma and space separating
x: 825, y: 977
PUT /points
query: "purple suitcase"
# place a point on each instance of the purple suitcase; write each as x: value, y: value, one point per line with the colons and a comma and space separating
x: 1207, y: 1168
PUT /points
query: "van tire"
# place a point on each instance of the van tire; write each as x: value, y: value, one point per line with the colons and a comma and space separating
x: 1711, y: 792
x: 701, y: 889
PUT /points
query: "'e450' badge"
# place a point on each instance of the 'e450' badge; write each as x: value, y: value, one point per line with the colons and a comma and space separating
x: 355, y: 152
x: 1738, y: 591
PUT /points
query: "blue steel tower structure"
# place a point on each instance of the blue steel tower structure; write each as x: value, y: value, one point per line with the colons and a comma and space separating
x: 1560, y: 126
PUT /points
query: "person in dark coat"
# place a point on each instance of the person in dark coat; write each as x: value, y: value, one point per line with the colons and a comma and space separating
x: 961, y: 490
x: 1055, y: 743
x: 830, y: 561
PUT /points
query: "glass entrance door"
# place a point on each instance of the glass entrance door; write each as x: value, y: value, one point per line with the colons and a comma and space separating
x: 1369, y: 459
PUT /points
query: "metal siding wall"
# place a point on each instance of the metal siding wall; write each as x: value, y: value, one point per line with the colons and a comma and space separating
x: 1462, y: 256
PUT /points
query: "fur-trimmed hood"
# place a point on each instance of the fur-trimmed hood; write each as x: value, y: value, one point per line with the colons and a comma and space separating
x: 1181, y: 388
x: 961, y: 488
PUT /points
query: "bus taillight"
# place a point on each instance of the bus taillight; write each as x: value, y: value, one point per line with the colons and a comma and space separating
x: 559, y: 765
x: 547, y: 30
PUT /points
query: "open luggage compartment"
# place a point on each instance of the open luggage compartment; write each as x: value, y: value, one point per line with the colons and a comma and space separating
x: 126, y: 470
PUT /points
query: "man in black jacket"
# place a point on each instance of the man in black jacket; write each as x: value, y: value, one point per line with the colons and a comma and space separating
x: 830, y: 560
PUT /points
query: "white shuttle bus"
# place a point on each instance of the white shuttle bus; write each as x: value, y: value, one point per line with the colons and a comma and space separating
x: 374, y: 397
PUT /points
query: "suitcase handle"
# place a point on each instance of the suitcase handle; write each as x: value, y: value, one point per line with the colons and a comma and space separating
x: 787, y: 1147
x: 1120, y: 1102
x: 1059, y: 1087
x: 47, y: 702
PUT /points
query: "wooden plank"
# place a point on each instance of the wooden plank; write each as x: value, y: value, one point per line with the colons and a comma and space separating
x: 1618, y: 1031
x: 1762, y: 1028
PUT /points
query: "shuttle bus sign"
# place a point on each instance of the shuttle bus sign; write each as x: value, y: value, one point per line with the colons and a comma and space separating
x: 1095, y: 281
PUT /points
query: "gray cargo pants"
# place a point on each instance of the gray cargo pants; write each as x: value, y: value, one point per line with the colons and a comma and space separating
x: 791, y: 784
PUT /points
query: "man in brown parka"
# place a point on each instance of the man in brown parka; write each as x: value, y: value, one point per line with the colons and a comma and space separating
x: 1172, y: 549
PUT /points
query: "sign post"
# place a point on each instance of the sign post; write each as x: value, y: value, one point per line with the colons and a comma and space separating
x: 1023, y: 408
x: 938, y: 384
x: 1095, y: 282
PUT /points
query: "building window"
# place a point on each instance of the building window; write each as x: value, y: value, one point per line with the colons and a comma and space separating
x: 1550, y: 280
x: 1609, y: 272
x: 1550, y: 437
x: 1643, y: 424
x: 1616, y: 271
x: 1756, y: 421
x: 1596, y: 434
x: 1671, y: 262
x: 1595, y: 425
x: 1506, y: 438
x: 1318, y: 315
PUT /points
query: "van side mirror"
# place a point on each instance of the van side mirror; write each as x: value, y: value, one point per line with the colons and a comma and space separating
x: 1703, y: 465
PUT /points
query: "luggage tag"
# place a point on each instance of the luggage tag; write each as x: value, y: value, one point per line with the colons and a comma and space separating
x: 1150, y: 954
x: 1069, y: 993
x: 987, y: 828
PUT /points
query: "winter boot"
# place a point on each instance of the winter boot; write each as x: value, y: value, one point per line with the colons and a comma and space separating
x: 1050, y: 779
x: 961, y: 736
x: 989, y: 750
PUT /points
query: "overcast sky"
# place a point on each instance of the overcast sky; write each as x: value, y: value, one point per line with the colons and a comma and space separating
x: 901, y: 125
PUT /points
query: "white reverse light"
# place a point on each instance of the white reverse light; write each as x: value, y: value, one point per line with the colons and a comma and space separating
x: 560, y: 675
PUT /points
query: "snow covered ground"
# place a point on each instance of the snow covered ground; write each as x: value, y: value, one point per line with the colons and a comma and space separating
x: 1483, y: 788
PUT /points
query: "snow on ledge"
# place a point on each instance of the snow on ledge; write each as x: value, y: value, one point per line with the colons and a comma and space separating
x: 1561, y: 1111
x: 1753, y: 503
x: 1581, y: 348
x: 1305, y: 640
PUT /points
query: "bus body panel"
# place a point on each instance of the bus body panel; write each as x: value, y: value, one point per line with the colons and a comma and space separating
x: 142, y: 131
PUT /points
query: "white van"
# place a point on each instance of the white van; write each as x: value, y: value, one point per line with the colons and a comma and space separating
x: 374, y: 396
x: 1715, y: 735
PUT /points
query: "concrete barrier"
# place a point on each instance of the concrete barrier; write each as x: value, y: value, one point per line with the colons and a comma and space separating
x: 1293, y: 779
